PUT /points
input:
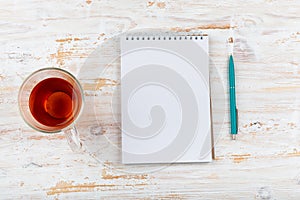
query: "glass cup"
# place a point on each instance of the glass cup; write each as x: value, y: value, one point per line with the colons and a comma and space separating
x: 51, y: 100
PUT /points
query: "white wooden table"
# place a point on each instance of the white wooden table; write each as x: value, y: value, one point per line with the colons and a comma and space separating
x: 264, y: 163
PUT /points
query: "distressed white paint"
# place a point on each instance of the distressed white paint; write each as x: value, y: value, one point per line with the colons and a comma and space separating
x: 262, y: 164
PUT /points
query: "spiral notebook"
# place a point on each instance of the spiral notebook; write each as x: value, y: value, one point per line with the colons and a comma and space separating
x: 165, y: 99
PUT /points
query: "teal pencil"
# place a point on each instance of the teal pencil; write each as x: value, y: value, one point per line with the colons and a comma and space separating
x: 233, y: 109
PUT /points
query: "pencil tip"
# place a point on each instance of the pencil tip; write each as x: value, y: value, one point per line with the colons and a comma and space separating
x: 233, y: 136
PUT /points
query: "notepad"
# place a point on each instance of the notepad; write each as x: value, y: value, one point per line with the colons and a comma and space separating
x: 165, y: 99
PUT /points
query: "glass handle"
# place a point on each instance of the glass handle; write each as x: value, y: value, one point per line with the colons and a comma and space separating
x: 73, y: 139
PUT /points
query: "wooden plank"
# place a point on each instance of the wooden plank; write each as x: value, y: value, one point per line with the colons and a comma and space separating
x: 79, y: 36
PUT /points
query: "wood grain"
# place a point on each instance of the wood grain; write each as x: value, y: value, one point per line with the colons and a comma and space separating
x: 75, y: 35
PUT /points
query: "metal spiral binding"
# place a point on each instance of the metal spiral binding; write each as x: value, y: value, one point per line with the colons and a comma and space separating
x: 165, y: 37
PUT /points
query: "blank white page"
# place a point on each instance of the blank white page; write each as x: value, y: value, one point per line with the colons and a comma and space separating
x: 165, y: 99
